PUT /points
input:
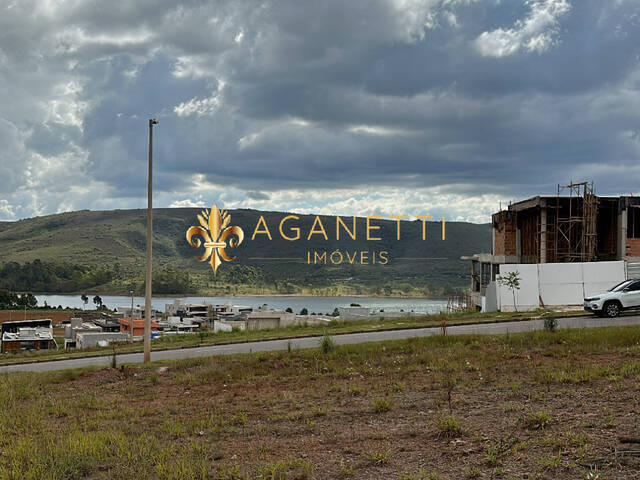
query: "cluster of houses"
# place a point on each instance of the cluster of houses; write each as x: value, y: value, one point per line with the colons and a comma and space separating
x: 126, y: 324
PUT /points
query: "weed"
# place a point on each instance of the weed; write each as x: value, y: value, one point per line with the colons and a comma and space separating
x: 319, y: 412
x: 448, y: 380
x: 281, y: 470
x: 472, y: 472
x: 536, y: 420
x: 381, y: 405
x: 396, y: 387
x: 419, y: 475
x: 497, y: 450
x: 347, y: 471
x: 592, y: 475
x: 448, y: 426
x: 550, y: 462
x: 550, y: 324
x: 611, y: 421
x: 327, y: 344
x: 230, y: 473
x: 239, y: 419
x: 379, y: 458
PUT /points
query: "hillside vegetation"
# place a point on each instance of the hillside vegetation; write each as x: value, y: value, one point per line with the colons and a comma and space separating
x: 104, y: 251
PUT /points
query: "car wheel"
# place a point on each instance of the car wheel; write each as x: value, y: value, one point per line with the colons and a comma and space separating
x: 611, y: 309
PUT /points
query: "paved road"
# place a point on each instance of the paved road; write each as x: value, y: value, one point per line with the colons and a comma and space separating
x: 311, y: 342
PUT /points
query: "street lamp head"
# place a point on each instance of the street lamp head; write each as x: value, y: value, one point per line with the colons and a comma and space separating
x: 153, y: 121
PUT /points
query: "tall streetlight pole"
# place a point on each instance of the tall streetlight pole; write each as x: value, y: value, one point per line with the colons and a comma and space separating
x: 147, y: 296
x: 131, y: 316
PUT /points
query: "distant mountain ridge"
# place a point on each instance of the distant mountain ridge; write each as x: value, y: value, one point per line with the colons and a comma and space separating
x: 99, y: 238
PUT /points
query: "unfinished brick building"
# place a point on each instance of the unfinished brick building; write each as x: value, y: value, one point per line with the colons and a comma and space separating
x: 573, y: 226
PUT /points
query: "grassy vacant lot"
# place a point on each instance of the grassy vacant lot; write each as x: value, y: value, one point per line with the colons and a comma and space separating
x: 336, y: 327
x: 534, y: 406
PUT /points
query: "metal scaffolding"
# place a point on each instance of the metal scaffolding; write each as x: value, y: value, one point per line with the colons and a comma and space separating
x: 575, y: 223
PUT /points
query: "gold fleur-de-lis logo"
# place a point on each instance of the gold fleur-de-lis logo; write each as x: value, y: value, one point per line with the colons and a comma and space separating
x: 214, y: 229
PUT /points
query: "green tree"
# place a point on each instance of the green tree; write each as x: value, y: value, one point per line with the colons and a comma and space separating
x: 28, y: 300
x: 85, y: 300
x: 97, y: 301
x: 512, y: 281
x: 304, y: 311
x: 169, y: 280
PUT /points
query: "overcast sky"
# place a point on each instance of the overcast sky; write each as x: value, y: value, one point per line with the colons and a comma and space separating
x: 443, y: 107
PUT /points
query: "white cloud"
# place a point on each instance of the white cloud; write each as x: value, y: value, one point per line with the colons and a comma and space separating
x: 187, y: 202
x: 378, y: 130
x: 536, y: 33
x: 383, y: 201
x: 200, y: 107
x: 415, y: 17
x: 6, y: 210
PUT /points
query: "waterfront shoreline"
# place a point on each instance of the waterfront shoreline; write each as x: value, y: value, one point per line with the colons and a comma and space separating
x: 320, y: 304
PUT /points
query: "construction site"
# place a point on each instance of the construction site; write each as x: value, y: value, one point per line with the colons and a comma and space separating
x: 573, y: 226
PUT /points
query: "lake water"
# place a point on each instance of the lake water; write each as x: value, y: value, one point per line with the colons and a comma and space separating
x: 296, y: 303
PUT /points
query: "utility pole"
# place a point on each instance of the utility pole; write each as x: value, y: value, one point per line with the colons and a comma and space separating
x: 147, y: 297
x: 131, y: 315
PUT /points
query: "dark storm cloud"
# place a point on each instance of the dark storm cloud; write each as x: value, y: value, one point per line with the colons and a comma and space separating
x: 258, y: 196
x: 471, y: 97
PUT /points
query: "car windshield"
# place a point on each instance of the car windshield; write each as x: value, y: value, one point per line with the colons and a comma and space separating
x: 619, y: 286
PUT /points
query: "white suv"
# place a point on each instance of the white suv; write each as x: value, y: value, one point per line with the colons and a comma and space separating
x: 625, y: 295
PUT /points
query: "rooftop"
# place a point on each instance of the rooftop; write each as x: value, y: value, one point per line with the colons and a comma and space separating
x: 28, y: 334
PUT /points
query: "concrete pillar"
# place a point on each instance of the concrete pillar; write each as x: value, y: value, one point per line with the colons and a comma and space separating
x: 543, y: 235
x: 493, y: 238
x: 622, y: 235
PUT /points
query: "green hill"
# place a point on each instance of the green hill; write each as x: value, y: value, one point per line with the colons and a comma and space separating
x: 104, y: 251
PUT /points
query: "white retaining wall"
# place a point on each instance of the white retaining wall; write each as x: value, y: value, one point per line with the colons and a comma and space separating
x: 553, y: 284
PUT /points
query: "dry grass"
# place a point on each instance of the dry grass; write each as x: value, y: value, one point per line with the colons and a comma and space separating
x: 545, y: 405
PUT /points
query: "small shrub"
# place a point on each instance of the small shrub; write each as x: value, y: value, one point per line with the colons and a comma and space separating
x: 448, y: 427
x: 550, y: 324
x: 381, y: 405
x: 327, y: 344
